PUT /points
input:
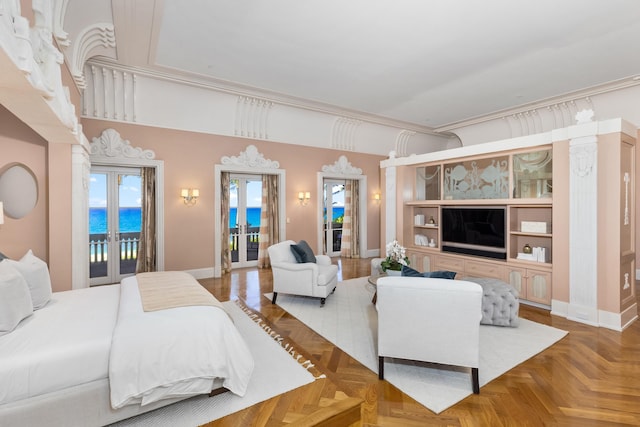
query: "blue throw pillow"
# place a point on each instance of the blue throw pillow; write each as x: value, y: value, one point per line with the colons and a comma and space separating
x: 302, y: 252
x: 410, y: 272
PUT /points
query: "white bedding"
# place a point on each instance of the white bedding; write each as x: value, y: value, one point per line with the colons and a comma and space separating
x: 173, y: 352
x: 57, y: 347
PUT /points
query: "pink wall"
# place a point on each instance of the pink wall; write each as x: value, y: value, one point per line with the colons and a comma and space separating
x: 189, y: 160
x: 20, y: 144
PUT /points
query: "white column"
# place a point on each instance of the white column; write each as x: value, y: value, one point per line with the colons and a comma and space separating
x: 80, y: 172
x: 583, y: 230
x: 391, y: 191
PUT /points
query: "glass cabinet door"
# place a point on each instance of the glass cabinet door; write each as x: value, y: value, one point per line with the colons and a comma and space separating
x: 477, y: 179
x: 428, y: 183
x: 532, y: 175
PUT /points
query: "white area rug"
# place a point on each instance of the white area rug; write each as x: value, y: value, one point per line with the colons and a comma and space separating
x: 276, y: 372
x: 349, y: 320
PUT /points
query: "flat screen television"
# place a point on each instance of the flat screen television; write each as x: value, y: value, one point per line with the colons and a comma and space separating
x: 474, y: 230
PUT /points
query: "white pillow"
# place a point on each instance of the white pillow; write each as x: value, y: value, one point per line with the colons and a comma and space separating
x: 15, y: 300
x: 36, y: 273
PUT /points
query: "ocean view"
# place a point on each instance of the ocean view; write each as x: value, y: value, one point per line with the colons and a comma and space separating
x: 130, y: 218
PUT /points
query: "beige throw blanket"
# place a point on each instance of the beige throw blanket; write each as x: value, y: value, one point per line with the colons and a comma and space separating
x: 169, y: 289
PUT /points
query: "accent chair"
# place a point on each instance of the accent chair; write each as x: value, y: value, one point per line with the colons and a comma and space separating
x: 429, y: 320
x: 315, y: 279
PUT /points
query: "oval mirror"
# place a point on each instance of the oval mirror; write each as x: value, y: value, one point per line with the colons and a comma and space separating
x: 18, y: 190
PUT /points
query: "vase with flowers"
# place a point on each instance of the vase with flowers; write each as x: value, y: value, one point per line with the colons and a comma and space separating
x: 396, y: 258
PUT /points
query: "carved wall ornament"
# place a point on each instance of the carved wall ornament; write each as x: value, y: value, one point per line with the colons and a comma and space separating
x: 402, y: 142
x: 582, y: 159
x: 96, y: 36
x: 252, y: 117
x: 251, y: 158
x: 627, y: 180
x: 111, y: 144
x: 342, y: 167
x: 584, y: 116
x: 343, y: 133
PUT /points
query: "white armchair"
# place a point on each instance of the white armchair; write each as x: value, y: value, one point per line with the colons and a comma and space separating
x: 317, y: 279
x: 430, y: 320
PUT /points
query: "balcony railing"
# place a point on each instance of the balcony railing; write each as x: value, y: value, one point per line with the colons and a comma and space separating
x: 253, y: 241
x: 99, y: 248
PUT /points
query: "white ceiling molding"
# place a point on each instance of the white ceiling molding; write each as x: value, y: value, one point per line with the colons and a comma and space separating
x: 59, y: 11
x: 343, y: 134
x: 250, y: 158
x: 111, y: 145
x: 341, y: 167
x: 252, y: 117
x: 402, y: 143
x: 94, y: 38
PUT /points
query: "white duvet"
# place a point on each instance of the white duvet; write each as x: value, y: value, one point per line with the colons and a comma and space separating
x: 175, y: 352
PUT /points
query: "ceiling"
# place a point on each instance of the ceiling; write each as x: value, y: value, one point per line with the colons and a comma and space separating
x: 430, y: 63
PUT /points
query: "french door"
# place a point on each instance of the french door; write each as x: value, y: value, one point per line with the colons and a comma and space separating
x: 333, y: 214
x: 245, y: 204
x: 115, y: 221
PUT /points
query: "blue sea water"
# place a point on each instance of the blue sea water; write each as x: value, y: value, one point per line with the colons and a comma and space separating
x: 131, y: 218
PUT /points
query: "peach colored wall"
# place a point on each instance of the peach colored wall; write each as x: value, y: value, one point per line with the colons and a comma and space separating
x: 59, y: 168
x: 189, y: 160
x: 20, y: 144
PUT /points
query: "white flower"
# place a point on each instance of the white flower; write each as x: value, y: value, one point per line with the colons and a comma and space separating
x: 396, y: 252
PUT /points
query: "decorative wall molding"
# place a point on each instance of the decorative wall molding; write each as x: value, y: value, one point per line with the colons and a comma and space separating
x: 402, y: 142
x: 342, y: 166
x: 250, y: 158
x: 583, y: 229
x: 252, y: 117
x: 36, y: 58
x: 111, y: 145
x: 59, y: 11
x: 100, y: 35
x: 112, y: 94
x: 343, y: 134
x: 546, y: 117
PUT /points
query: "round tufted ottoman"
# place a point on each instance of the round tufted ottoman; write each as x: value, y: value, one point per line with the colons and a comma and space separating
x: 500, y: 302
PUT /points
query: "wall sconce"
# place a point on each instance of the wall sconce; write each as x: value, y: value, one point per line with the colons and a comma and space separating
x: 190, y: 195
x: 304, y: 197
x: 1, y: 213
x: 376, y: 198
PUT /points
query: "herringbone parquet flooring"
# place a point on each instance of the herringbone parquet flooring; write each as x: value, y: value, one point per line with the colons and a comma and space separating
x: 590, y: 378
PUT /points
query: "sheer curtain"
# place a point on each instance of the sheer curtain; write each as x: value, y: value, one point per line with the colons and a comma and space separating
x: 146, y: 257
x: 225, y: 194
x: 350, y: 243
x: 269, y: 219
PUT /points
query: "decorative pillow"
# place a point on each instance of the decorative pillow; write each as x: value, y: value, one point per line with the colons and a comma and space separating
x: 36, y: 274
x: 302, y: 252
x: 15, y: 300
x: 442, y: 274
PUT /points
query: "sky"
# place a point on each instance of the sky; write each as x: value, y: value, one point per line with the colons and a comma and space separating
x: 129, y: 191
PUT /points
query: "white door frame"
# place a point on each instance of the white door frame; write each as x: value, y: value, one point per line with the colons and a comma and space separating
x: 249, y: 161
x: 342, y: 169
x: 111, y: 150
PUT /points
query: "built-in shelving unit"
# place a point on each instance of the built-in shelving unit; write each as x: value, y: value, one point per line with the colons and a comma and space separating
x: 522, y: 182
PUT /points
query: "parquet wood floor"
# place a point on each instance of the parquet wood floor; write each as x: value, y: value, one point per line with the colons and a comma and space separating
x: 590, y: 378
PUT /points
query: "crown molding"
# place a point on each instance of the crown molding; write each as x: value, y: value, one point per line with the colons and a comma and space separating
x: 196, y: 80
x: 549, y: 103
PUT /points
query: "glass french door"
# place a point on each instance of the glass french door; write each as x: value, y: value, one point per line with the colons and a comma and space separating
x: 245, y: 204
x: 115, y: 220
x: 333, y: 214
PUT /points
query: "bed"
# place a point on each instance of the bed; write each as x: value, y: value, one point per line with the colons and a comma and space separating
x: 95, y: 356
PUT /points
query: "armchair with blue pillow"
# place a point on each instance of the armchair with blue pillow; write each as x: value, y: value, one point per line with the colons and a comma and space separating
x: 298, y: 271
